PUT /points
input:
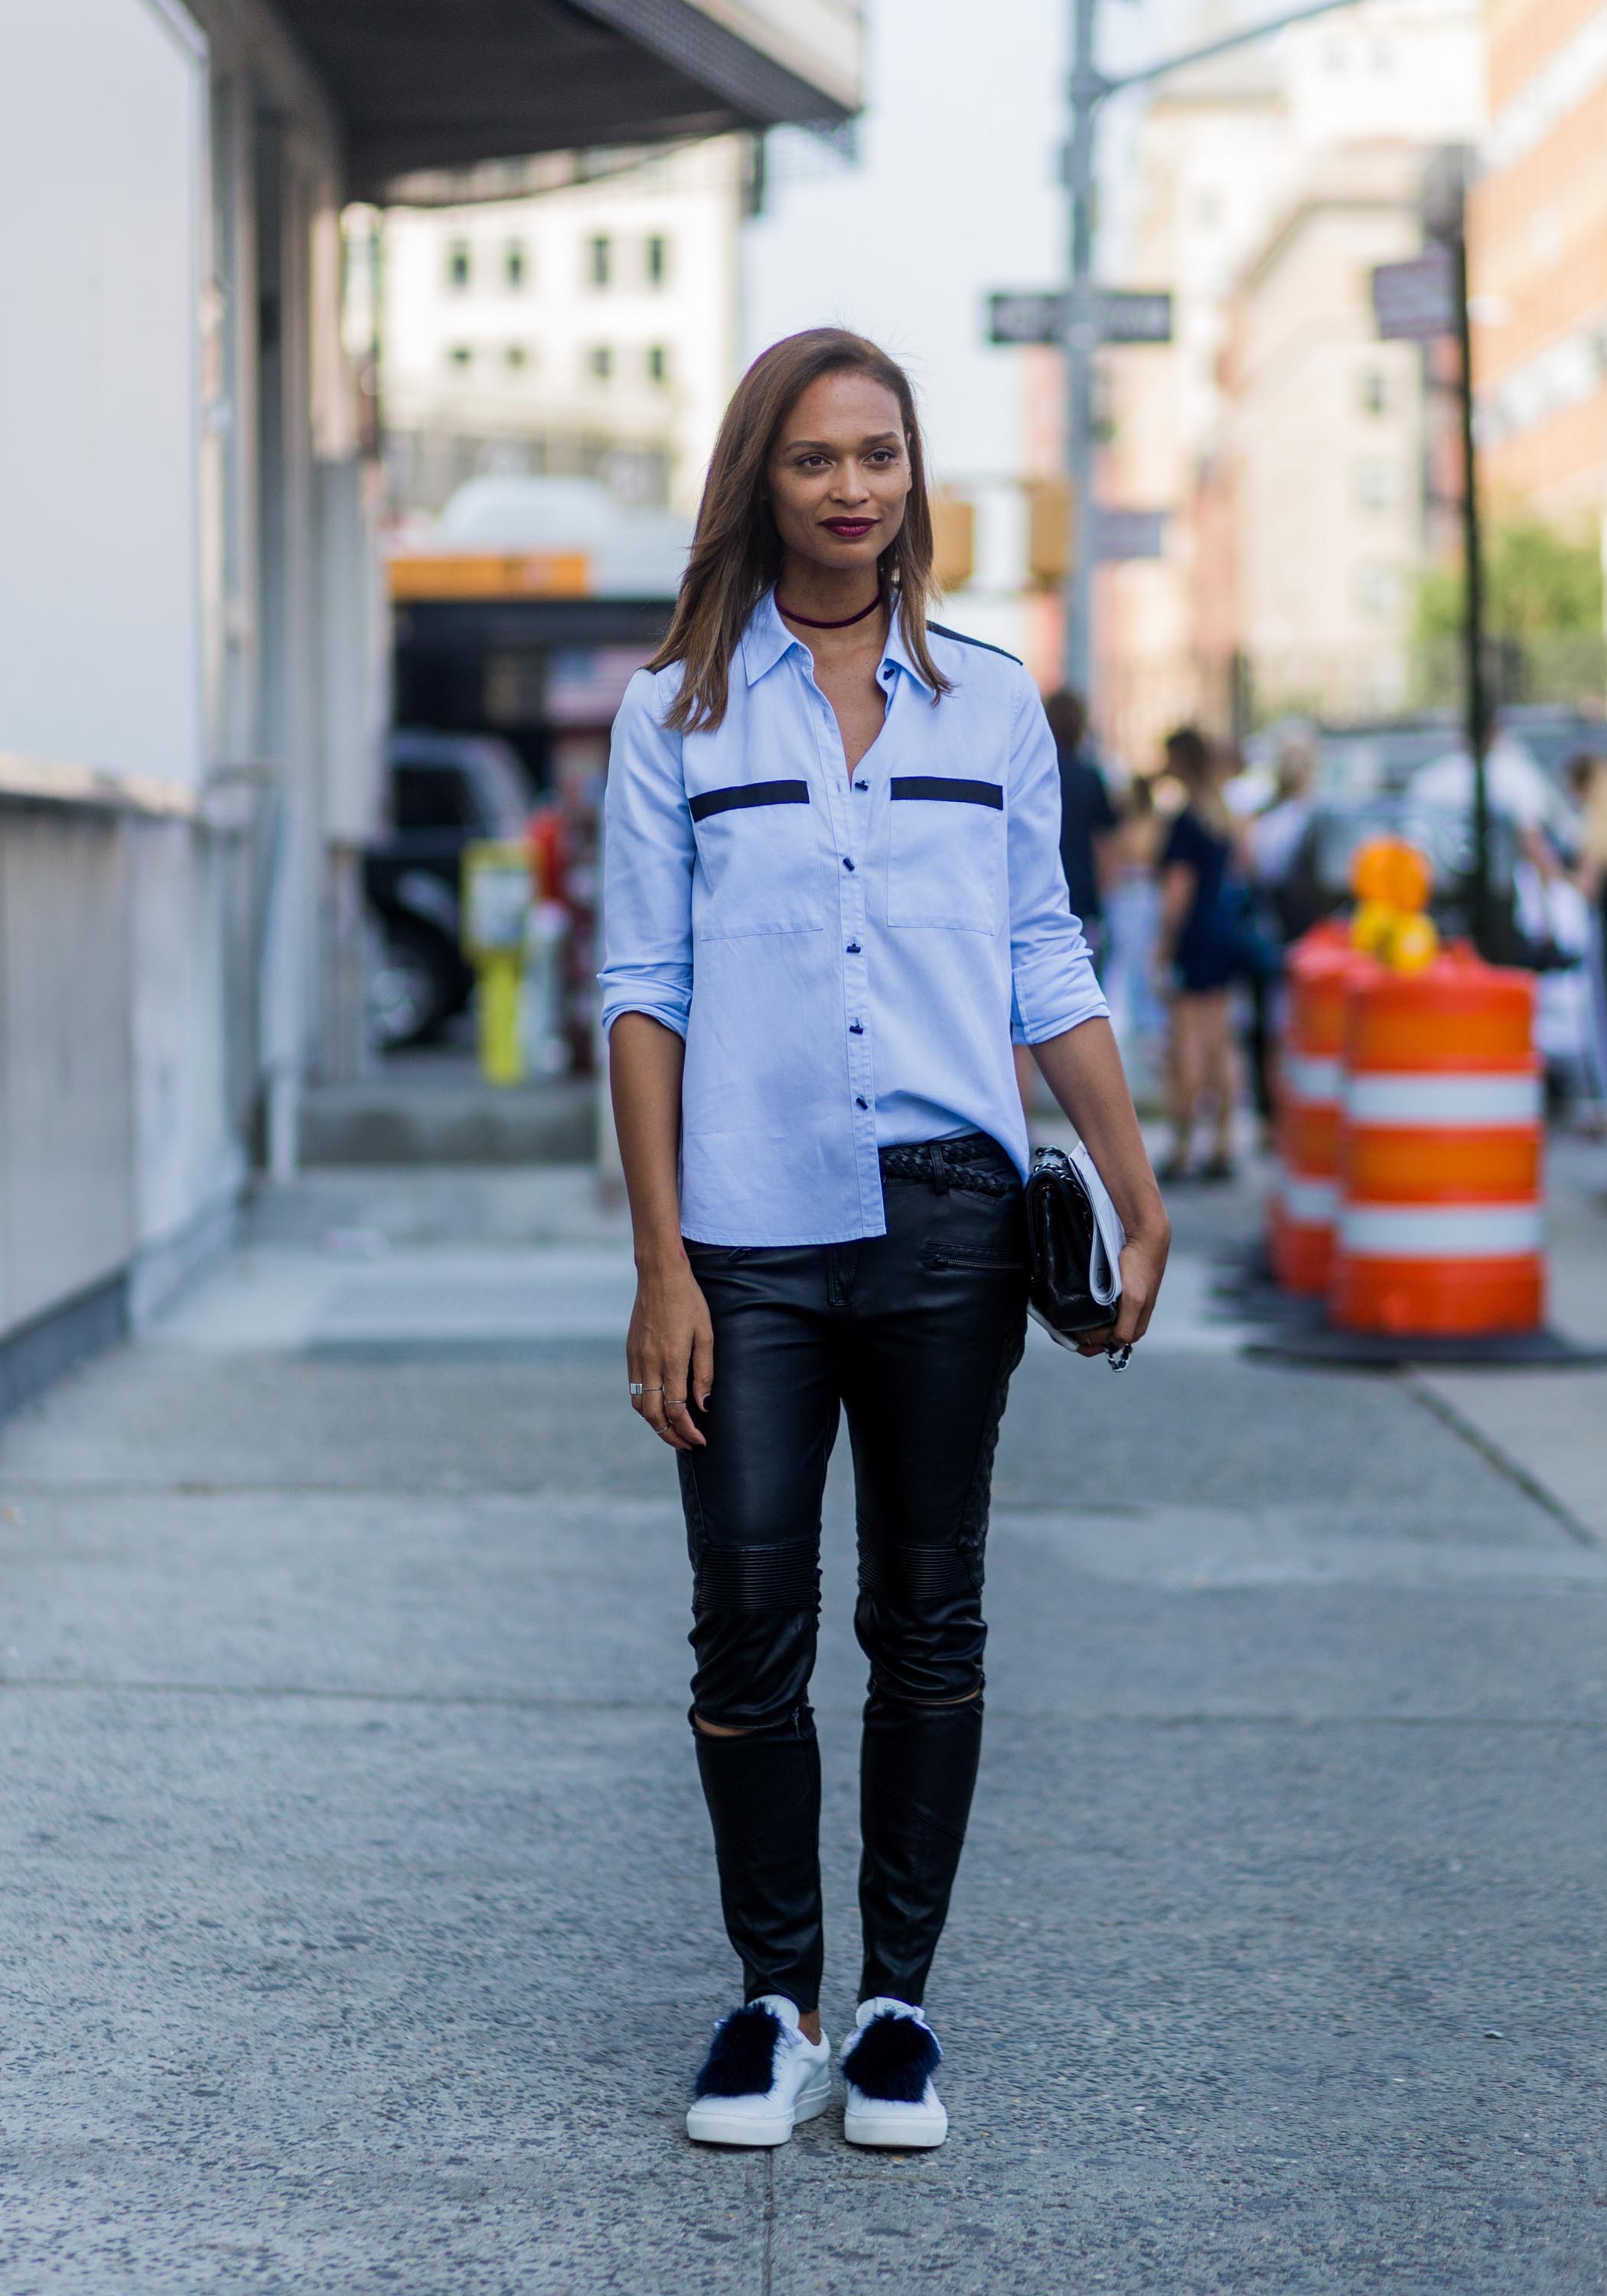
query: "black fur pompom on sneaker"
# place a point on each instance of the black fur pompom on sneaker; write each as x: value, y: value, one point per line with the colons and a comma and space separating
x: 893, y: 2059
x: 742, y: 2059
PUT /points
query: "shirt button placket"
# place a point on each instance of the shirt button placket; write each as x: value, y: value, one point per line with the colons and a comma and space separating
x: 849, y: 823
x: 859, y: 1061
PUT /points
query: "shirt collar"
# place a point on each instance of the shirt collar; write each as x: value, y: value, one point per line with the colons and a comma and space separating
x: 767, y: 638
x: 896, y: 650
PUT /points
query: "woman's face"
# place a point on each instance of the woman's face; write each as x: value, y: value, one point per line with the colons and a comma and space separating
x: 839, y: 474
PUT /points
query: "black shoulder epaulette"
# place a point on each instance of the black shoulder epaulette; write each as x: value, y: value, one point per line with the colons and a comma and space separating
x: 960, y: 639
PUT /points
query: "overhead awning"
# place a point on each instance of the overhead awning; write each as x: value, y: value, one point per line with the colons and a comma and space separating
x: 446, y: 83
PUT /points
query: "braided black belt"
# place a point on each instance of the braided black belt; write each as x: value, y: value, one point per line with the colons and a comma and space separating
x: 975, y: 1164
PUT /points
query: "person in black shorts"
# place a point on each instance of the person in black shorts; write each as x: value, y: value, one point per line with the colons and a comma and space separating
x: 1197, y: 954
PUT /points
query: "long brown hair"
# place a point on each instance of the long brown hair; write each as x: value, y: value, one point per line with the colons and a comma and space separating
x: 736, y: 553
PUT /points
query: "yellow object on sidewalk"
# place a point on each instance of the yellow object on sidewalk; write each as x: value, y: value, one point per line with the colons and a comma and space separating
x: 496, y: 901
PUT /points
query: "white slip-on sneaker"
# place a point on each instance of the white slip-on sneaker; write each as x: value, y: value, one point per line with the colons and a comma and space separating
x: 888, y: 2064
x: 760, y: 2078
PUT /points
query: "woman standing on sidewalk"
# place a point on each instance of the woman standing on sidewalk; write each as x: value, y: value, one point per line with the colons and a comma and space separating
x: 833, y: 896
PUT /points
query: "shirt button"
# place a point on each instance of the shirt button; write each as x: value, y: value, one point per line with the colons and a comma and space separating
x: 858, y: 1102
x: 853, y: 948
x: 862, y: 785
x: 856, y: 1029
x: 847, y: 862
x: 888, y: 671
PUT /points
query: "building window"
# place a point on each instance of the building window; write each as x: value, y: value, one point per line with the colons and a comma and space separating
x: 1378, y: 589
x: 658, y: 362
x: 600, y: 362
x: 1375, y: 485
x: 1375, y: 391
x: 460, y: 355
x: 516, y: 265
x: 459, y: 263
x: 599, y: 261
x: 657, y: 260
x: 516, y: 355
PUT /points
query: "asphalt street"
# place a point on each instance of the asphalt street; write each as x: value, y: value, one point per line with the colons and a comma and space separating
x: 358, y: 1921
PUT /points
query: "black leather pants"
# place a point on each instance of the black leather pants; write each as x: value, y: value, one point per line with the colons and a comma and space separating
x: 916, y: 1334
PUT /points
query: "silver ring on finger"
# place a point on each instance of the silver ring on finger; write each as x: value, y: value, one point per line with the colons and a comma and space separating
x: 637, y: 1387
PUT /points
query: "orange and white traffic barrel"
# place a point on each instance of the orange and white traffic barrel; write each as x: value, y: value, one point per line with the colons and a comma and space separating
x: 1440, y: 1153
x: 1305, y: 1198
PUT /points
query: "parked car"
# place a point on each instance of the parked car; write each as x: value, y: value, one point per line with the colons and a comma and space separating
x: 446, y: 791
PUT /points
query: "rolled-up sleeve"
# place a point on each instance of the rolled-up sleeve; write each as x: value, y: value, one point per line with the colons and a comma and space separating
x: 648, y: 853
x: 1053, y: 983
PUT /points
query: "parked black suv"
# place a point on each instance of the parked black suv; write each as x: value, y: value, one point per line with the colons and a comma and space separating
x: 446, y: 791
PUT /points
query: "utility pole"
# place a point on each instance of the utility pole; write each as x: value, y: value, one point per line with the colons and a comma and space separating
x: 1424, y: 301
x: 1081, y: 342
x: 1081, y: 331
x: 1477, y: 693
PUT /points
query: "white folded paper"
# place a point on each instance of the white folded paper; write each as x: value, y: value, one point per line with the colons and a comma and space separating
x: 1104, y: 1276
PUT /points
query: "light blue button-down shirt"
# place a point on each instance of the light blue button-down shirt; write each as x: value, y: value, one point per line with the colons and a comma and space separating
x: 848, y: 957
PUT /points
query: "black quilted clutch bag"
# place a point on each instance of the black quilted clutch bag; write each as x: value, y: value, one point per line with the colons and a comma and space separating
x: 1074, y: 1239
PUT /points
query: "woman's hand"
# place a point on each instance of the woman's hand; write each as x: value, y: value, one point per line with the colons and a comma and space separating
x: 669, y: 1349
x: 1142, y: 1264
x: 1085, y: 1073
x: 670, y: 1345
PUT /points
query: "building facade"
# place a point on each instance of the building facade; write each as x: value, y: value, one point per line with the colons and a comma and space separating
x: 192, y: 686
x: 590, y: 330
x: 1537, y: 233
x: 1240, y: 162
x: 1326, y: 444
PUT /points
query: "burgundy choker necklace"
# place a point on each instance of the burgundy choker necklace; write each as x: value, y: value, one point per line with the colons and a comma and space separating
x: 848, y: 621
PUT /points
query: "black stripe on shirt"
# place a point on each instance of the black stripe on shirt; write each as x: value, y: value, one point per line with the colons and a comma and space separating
x: 727, y: 800
x: 949, y: 792
x: 960, y: 637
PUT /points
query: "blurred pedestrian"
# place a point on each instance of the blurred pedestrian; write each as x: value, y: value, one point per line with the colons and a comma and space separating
x: 1551, y: 917
x: 1087, y: 819
x: 1198, y: 953
x: 832, y: 894
x: 1133, y: 917
x: 1286, y: 901
x: 1587, y: 780
x: 1276, y: 905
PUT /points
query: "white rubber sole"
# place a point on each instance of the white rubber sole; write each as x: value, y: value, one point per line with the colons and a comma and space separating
x: 750, y: 2120
x: 895, y: 2128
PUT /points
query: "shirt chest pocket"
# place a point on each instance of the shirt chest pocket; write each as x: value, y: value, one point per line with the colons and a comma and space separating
x: 946, y: 853
x: 758, y: 859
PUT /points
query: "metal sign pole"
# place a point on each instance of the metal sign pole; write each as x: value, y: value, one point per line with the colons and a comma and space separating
x: 1081, y: 334
x: 1424, y: 301
x: 1472, y: 625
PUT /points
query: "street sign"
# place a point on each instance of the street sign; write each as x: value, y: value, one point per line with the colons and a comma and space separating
x: 1120, y: 315
x: 1125, y: 533
x: 1126, y: 316
x: 1026, y: 318
x: 1417, y: 300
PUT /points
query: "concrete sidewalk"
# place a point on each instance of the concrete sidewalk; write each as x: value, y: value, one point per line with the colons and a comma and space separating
x: 356, y: 1905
